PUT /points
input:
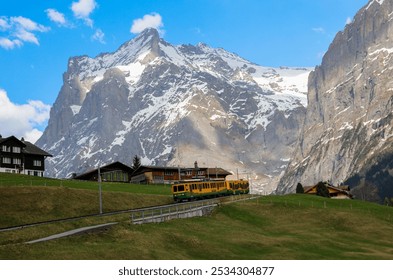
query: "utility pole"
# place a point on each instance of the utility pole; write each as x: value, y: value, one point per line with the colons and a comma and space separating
x: 100, y: 189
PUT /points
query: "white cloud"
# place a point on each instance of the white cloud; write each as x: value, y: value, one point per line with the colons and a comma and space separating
x: 56, y: 17
x: 4, y: 25
x: 348, y: 21
x: 82, y: 10
x: 28, y: 24
x: 99, y: 36
x: 26, y: 36
x: 18, y: 30
x: 22, y: 120
x: 8, y: 44
x: 152, y: 20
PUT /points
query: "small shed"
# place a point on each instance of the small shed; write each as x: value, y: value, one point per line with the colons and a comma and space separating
x: 337, y: 192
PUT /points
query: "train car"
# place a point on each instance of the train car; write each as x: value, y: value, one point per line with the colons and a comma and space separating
x: 186, y: 191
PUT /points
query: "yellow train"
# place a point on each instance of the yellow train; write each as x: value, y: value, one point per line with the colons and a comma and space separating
x: 208, y: 189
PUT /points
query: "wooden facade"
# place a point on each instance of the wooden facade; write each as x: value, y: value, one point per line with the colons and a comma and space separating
x: 22, y: 157
x: 169, y: 175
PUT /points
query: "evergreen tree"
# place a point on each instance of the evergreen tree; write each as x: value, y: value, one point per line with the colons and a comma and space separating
x: 136, y: 162
x: 322, y: 190
x: 299, y: 188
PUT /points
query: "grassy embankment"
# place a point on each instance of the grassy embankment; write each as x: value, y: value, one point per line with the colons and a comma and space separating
x: 274, y: 227
x: 27, y: 199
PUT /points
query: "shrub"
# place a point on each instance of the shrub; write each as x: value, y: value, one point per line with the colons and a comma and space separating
x: 299, y: 188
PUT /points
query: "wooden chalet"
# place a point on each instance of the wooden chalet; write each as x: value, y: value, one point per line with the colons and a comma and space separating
x: 336, y: 192
x: 22, y: 157
x: 113, y: 172
x: 169, y: 175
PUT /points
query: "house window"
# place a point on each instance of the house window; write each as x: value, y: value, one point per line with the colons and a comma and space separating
x: 4, y: 148
x: 16, y: 150
x: 17, y: 161
x: 37, y: 163
x: 6, y: 160
x: 168, y: 173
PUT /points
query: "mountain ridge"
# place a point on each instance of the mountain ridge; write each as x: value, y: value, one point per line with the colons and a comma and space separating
x: 347, y: 130
x: 172, y: 105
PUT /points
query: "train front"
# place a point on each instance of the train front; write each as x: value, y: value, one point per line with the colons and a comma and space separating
x: 180, y: 192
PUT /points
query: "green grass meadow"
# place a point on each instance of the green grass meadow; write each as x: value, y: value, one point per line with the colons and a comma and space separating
x: 290, y: 227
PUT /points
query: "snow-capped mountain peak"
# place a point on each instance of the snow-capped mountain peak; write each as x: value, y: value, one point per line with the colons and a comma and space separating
x: 173, y: 105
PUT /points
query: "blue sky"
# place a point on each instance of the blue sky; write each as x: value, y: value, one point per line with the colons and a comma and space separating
x: 37, y: 38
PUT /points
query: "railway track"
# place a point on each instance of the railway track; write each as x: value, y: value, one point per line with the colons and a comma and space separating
x: 74, y: 218
x: 106, y: 214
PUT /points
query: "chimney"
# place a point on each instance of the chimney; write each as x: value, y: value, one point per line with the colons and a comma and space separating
x: 196, y: 165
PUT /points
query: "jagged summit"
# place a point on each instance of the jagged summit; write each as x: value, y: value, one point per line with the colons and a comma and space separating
x: 173, y: 105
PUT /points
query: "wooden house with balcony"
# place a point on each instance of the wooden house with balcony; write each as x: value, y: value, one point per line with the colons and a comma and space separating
x: 168, y: 175
x: 21, y: 157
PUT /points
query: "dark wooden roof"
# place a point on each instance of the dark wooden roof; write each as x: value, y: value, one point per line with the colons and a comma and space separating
x: 34, y: 150
x: 109, y: 167
x: 219, y: 171
x: 11, y: 138
x: 28, y: 148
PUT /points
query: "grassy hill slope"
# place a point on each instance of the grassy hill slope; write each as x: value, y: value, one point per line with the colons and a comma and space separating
x: 274, y: 227
x: 27, y: 199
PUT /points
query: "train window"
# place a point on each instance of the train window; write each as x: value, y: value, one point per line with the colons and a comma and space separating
x: 180, y: 188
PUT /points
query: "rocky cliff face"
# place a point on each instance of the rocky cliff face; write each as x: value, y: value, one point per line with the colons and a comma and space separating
x: 174, y: 105
x: 348, y: 129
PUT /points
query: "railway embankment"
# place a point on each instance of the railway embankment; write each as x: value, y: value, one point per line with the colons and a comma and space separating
x: 181, y: 210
